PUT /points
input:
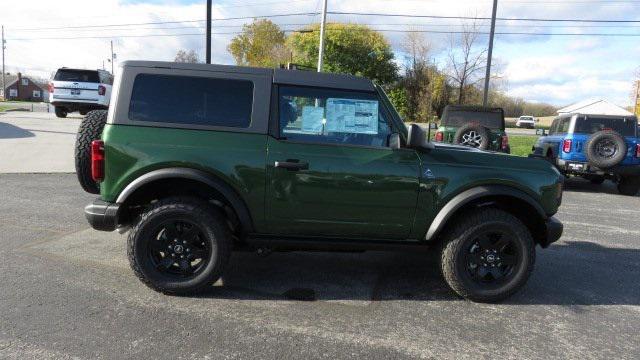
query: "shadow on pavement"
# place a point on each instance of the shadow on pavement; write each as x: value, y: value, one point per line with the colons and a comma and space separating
x: 9, y: 131
x: 582, y: 185
x: 571, y: 273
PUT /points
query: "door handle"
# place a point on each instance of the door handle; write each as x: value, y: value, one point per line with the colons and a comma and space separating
x: 292, y: 165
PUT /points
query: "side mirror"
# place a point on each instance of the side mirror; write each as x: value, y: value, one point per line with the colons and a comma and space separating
x: 541, y: 132
x: 394, y: 141
x: 417, y: 138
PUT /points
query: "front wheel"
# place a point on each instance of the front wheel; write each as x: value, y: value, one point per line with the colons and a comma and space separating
x: 61, y: 112
x: 179, y: 246
x: 488, y: 255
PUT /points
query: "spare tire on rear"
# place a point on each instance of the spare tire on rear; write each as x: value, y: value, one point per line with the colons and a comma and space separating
x: 90, y: 129
x: 605, y: 149
x: 473, y: 135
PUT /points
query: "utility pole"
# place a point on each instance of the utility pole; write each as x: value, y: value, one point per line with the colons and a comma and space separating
x: 208, y: 32
x: 487, y: 77
x: 322, y: 25
x: 636, y: 105
x: 4, y: 96
x: 111, y: 58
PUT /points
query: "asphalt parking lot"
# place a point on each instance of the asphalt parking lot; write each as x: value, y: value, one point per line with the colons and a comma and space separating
x: 66, y: 292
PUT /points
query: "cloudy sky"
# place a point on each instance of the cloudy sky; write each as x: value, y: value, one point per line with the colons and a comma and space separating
x: 43, y: 35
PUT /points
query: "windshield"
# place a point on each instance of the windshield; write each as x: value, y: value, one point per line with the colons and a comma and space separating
x: 590, y: 125
x: 457, y: 118
x: 77, y: 75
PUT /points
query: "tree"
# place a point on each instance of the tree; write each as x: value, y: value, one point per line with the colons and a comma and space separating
x: 261, y: 43
x: 466, y: 62
x: 349, y: 49
x: 184, y: 56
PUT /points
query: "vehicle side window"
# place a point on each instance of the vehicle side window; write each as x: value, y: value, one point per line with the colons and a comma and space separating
x: 332, y: 116
x: 191, y: 100
x: 560, y: 126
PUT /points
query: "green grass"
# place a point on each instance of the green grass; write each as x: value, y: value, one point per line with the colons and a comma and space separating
x: 521, y: 144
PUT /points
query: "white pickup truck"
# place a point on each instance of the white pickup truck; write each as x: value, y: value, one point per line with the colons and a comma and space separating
x: 80, y: 90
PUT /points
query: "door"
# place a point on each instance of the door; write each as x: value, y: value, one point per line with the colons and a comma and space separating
x: 330, y: 169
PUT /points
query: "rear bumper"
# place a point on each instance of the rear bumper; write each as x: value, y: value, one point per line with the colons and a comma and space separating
x: 76, y: 105
x: 102, y: 215
x: 553, y: 231
x: 584, y: 168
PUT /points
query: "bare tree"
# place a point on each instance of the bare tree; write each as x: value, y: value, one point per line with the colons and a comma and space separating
x: 417, y: 76
x: 466, y: 61
x: 184, y: 56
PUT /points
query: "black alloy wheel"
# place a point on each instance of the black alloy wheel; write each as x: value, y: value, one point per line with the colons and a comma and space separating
x: 492, y: 257
x: 178, y: 249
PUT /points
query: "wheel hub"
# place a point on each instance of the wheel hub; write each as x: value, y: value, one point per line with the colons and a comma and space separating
x: 472, y: 138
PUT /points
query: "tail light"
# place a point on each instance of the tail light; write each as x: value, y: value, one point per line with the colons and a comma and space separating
x: 505, y: 142
x: 439, y: 136
x: 638, y: 150
x: 97, y: 160
x: 101, y: 90
x: 51, y: 87
x: 566, y: 145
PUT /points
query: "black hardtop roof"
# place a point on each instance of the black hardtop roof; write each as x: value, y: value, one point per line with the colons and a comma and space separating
x: 477, y: 108
x: 279, y: 76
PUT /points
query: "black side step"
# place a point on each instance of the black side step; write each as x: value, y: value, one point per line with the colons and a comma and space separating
x: 332, y: 244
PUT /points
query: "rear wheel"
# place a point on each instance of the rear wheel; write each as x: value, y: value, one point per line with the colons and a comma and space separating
x: 90, y: 129
x: 488, y: 255
x: 179, y: 246
x: 61, y: 112
x: 629, y: 185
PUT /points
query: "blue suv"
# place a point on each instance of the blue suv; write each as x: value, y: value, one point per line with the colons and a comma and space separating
x: 595, y: 147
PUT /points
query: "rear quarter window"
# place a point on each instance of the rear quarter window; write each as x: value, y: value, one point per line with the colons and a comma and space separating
x: 90, y: 76
x: 189, y: 100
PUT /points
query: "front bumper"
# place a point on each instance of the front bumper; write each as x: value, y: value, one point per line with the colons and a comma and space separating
x: 102, y: 215
x: 553, y: 231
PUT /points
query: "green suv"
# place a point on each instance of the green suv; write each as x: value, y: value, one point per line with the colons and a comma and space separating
x: 199, y: 160
x: 475, y: 126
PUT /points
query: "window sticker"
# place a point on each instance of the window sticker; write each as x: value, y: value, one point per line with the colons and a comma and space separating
x: 352, y: 116
x: 312, y: 119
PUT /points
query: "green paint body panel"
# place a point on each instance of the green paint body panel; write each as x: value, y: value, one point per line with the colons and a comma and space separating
x: 349, y: 191
x: 235, y: 158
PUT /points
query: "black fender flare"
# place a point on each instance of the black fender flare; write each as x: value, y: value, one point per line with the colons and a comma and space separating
x: 210, y: 180
x: 475, y: 193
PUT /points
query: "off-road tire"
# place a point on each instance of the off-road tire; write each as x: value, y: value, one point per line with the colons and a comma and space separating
x: 480, y: 130
x: 215, y: 232
x: 461, y: 235
x: 629, y: 186
x: 598, y: 160
x: 90, y: 129
x: 60, y: 112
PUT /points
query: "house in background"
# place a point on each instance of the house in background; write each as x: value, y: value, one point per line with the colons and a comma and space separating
x: 24, y: 88
x: 594, y: 107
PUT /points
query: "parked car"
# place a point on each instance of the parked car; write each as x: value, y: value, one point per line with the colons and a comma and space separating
x: 475, y: 126
x: 526, y: 122
x: 198, y: 160
x: 596, y: 147
x: 80, y: 90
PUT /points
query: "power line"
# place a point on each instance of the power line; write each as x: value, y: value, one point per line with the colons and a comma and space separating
x: 329, y: 29
x: 171, y: 22
x: 479, y: 17
x: 333, y: 13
